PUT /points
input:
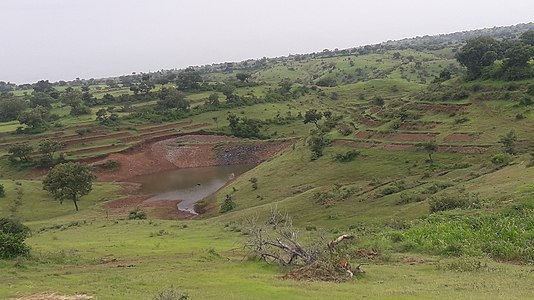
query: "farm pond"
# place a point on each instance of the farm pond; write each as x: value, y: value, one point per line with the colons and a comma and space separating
x: 189, y: 185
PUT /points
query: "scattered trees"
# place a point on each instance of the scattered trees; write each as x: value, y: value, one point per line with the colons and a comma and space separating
x: 69, y: 181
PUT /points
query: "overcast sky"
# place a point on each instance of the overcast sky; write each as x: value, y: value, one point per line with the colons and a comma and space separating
x: 65, y: 39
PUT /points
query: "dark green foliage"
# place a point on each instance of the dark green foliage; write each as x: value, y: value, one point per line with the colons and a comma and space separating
x: 478, y: 53
x: 69, y: 181
x: 337, y: 193
x: 41, y: 99
x: 347, y: 156
x: 378, y: 101
x: 2, y: 191
x: 326, y: 82
x: 502, y: 159
x: 171, y: 98
x: 228, y: 204
x: 36, y: 118
x: 254, y: 182
x: 317, y: 142
x: 12, y: 236
x: 74, y: 99
x: 451, y: 201
x: 508, y: 142
x: 47, y: 149
x: 137, y: 214
x: 106, y: 117
x: 244, y: 127
x: 313, y: 116
x: 430, y: 148
x: 20, y: 152
x: 11, y: 107
x: 188, y: 80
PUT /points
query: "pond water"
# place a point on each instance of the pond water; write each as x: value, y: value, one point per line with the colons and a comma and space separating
x: 189, y: 185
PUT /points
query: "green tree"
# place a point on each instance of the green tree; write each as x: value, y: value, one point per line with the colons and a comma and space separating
x: 69, y: 181
x: 243, y: 77
x: 478, y: 53
x: 508, y: 142
x: 20, y: 152
x: 41, y: 99
x: 11, y: 107
x: 172, y: 98
x: 12, y: 236
x: 188, y: 80
x: 430, y: 148
x: 313, y: 116
x: 73, y: 98
x: 317, y: 142
x: 244, y: 127
x: 43, y: 86
x: 213, y: 100
x: 528, y: 37
x: 35, y: 118
x: 47, y: 149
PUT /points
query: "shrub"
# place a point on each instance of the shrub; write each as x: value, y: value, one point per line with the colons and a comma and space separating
x: 137, y: 214
x: 228, y: 204
x: 453, y: 201
x: 504, y: 235
x: 347, y: 156
x: 12, y: 236
x: 170, y: 294
x: 2, y: 191
x: 502, y: 159
x: 109, y: 164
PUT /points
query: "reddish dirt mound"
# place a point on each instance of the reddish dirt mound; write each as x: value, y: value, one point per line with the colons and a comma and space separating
x: 206, y: 150
x: 460, y: 137
x: 438, y: 108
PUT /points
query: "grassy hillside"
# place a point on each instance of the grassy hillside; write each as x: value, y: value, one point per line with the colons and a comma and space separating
x: 455, y: 221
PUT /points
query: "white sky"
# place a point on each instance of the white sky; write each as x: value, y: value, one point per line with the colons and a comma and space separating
x: 65, y: 39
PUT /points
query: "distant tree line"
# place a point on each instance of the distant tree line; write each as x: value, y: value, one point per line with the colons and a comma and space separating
x: 488, y: 58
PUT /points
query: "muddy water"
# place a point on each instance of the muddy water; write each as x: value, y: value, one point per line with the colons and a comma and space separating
x: 189, y: 185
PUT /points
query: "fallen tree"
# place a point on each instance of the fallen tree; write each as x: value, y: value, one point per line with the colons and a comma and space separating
x: 277, y: 241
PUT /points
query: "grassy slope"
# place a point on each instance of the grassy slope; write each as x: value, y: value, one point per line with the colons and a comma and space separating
x: 163, y: 253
